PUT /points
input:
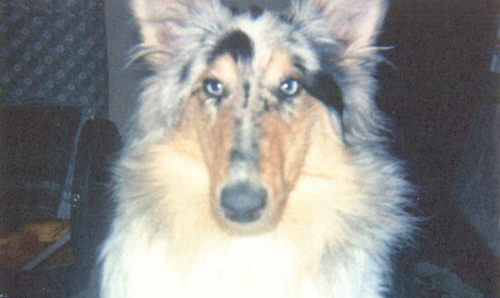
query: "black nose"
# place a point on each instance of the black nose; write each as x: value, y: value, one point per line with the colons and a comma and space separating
x: 243, y: 202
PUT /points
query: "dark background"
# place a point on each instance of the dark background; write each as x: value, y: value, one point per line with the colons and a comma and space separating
x: 440, y: 73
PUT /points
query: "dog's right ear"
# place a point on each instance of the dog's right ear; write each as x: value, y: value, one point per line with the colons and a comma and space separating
x: 168, y: 26
x: 355, y: 24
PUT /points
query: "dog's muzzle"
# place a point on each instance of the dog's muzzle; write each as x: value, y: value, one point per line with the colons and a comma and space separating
x: 243, y: 202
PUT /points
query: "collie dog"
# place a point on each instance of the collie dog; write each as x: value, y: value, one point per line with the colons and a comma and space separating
x: 257, y: 164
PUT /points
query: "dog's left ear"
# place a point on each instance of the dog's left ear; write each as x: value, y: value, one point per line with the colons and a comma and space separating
x: 353, y: 23
x: 169, y: 26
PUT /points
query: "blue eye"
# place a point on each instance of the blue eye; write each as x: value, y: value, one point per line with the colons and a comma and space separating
x: 290, y: 87
x: 213, y: 87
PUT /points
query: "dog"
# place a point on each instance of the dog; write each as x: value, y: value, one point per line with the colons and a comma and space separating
x: 257, y: 163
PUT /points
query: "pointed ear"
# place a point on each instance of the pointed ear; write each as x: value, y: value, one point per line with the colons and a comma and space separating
x: 354, y: 23
x: 164, y: 25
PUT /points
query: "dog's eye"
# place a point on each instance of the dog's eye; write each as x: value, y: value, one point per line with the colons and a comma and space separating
x: 213, y: 87
x: 290, y: 87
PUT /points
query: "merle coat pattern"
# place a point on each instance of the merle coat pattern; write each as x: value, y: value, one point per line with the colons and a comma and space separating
x: 256, y: 165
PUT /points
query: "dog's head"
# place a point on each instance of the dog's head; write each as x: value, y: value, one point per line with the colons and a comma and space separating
x: 263, y: 99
